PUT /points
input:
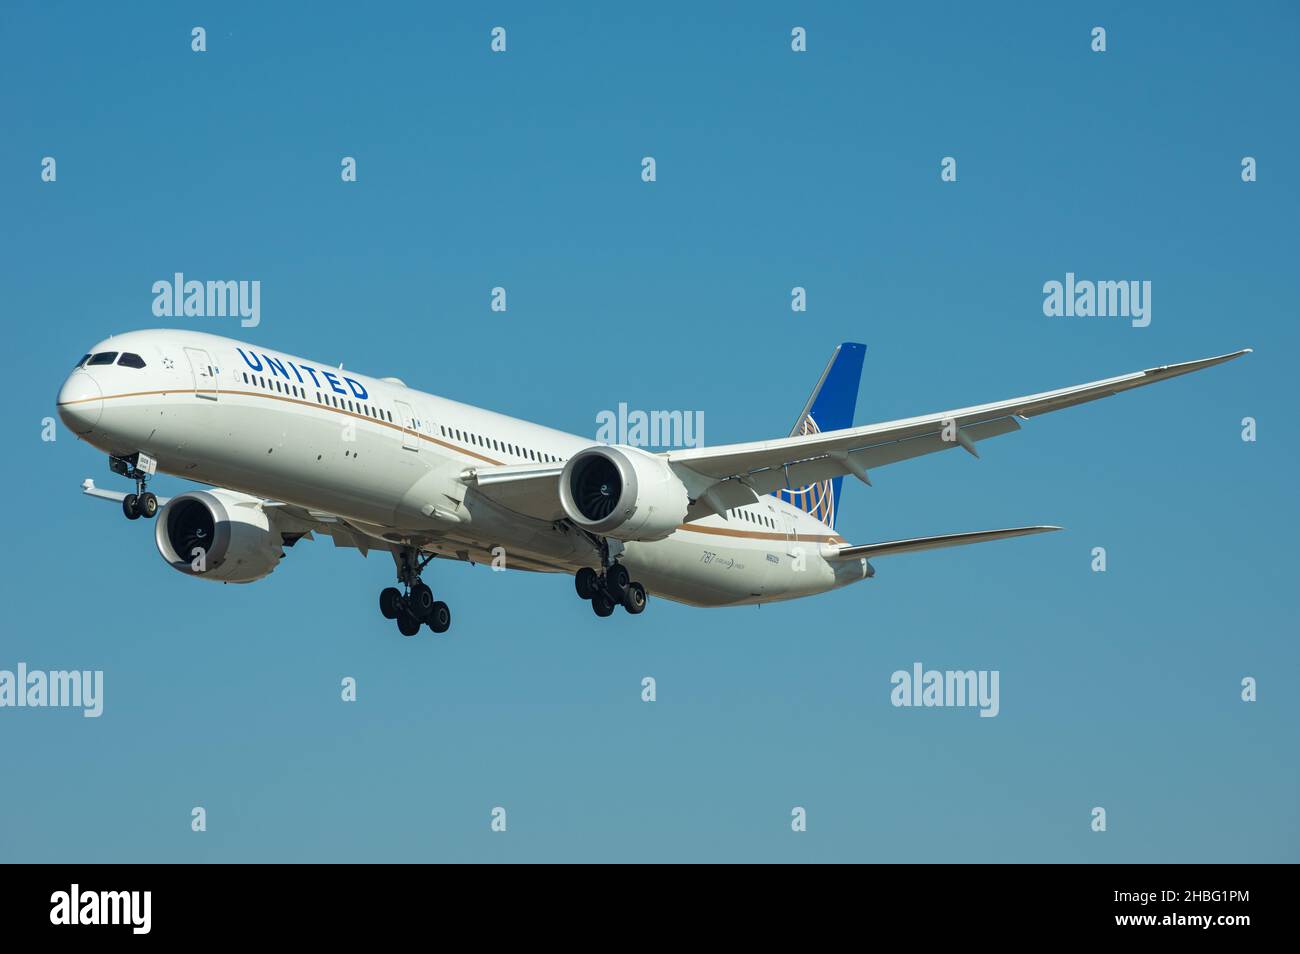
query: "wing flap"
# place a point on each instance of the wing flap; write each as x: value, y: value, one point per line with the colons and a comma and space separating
x: 805, y: 472
x: 527, y: 489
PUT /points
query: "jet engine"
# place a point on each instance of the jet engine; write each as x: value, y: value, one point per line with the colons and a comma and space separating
x: 622, y: 492
x: 219, y: 535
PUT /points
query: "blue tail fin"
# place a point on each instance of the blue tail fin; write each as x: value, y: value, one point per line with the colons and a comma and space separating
x: 829, y: 409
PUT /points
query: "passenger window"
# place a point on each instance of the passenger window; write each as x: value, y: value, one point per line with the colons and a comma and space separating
x: 104, y: 357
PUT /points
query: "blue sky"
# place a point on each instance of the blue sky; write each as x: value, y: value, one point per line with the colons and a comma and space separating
x: 775, y: 169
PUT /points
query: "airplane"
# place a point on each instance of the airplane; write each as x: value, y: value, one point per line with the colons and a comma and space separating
x: 291, y: 448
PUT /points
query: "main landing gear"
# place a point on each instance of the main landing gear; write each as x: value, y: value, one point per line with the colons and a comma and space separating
x: 139, y: 468
x: 416, y: 607
x: 609, y: 589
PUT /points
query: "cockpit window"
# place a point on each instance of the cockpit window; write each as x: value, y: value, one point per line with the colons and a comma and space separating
x: 81, y: 362
x: 129, y: 360
x: 104, y: 357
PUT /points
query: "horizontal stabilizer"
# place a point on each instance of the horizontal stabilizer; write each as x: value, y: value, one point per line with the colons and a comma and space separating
x: 890, y: 547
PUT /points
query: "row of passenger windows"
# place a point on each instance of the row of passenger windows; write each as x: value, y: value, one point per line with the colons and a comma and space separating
x: 380, y: 414
x: 127, y: 360
x: 758, y: 518
x: 491, y: 443
x: 328, y: 400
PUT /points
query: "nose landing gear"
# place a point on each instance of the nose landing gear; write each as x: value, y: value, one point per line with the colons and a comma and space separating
x: 137, y: 467
x: 135, y: 506
x: 416, y: 607
x: 612, y: 588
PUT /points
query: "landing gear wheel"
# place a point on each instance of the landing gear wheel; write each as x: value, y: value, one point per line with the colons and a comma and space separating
x: 586, y: 582
x: 602, y: 605
x: 439, y: 618
x: 131, y: 507
x: 146, y: 505
x: 617, y: 577
x: 390, y: 602
x: 407, y: 624
x: 634, y: 598
x: 420, y: 601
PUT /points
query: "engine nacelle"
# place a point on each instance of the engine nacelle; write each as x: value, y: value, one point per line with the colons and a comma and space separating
x: 622, y: 492
x: 218, y: 535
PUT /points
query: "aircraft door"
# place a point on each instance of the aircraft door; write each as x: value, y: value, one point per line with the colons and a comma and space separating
x: 410, y: 440
x: 205, y: 373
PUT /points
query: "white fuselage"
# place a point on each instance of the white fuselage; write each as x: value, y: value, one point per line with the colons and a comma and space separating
x: 381, y: 455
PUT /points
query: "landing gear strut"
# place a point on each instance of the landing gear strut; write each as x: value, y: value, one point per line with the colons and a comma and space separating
x: 417, y: 606
x: 612, y: 588
x: 137, y: 467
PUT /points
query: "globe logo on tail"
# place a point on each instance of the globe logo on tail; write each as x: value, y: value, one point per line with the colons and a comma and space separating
x: 818, y: 498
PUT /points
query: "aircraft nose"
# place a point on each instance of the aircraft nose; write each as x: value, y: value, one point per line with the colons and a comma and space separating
x: 80, y: 401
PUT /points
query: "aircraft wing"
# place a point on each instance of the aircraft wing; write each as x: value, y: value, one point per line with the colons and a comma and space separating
x: 792, y: 462
x: 730, y: 475
x: 90, y: 490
